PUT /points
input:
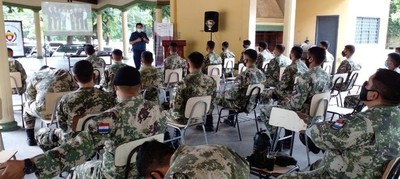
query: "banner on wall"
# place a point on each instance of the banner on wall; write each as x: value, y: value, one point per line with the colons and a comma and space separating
x: 163, y: 31
x: 14, y: 37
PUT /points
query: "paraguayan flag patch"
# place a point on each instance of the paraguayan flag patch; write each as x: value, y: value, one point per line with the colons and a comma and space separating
x: 338, y: 124
x: 104, y: 128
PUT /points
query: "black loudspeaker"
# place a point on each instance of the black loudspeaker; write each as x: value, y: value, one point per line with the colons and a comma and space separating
x: 211, y: 21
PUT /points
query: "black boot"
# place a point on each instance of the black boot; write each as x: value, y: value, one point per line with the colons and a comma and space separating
x: 231, y: 119
x: 30, y: 133
x: 209, y: 124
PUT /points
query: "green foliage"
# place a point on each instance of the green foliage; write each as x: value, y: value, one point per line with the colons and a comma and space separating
x: 394, y: 23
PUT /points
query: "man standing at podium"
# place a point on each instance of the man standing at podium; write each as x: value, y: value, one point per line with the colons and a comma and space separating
x: 138, y: 40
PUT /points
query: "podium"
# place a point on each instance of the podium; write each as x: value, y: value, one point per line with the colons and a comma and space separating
x: 181, y: 47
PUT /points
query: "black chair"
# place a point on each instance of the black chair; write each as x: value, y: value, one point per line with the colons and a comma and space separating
x: 253, y: 96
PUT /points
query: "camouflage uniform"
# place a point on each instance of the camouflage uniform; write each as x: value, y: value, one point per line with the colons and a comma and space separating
x: 96, y: 61
x: 285, y: 87
x: 108, y: 76
x: 272, y: 73
x: 313, y: 82
x: 264, y: 56
x: 15, y: 66
x: 43, y: 82
x: 211, y: 59
x: 175, y: 61
x: 348, y: 66
x: 207, y: 161
x: 151, y: 79
x: 134, y: 118
x: 236, y: 96
x: 193, y: 85
x: 77, y: 103
x: 360, y: 148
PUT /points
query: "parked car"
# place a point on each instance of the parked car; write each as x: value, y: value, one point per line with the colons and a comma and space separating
x: 69, y: 50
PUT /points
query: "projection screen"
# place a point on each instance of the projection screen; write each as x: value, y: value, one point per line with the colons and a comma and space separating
x: 67, y: 19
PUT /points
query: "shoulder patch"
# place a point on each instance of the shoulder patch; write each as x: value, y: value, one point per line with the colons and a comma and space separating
x: 338, y: 124
x: 103, y: 128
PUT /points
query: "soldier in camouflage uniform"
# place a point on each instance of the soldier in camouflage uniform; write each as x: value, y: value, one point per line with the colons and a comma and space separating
x: 93, y: 58
x: 348, y: 65
x: 15, y: 66
x: 360, y: 145
x: 315, y: 81
x: 150, y: 77
x: 285, y: 87
x: 109, y: 72
x: 236, y: 96
x: 246, y: 45
x: 47, y: 80
x: 272, y: 73
x: 158, y: 160
x: 193, y: 85
x: 264, y: 56
x: 211, y: 58
x: 226, y: 53
x: 86, y: 100
x: 174, y: 61
x: 133, y: 118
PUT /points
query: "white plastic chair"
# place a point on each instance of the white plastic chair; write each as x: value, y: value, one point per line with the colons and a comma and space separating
x: 229, y: 63
x: 51, y: 102
x: 16, y: 83
x: 214, y: 70
x: 252, y: 90
x: 265, y: 66
x: 196, y: 109
x: 327, y: 67
x: 98, y: 74
x: 289, y: 120
x: 241, y: 68
x: 217, y: 81
x: 392, y: 169
x: 125, y: 154
x: 172, y: 77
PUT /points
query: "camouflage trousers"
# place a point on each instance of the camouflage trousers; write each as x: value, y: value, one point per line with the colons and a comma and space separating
x: 30, y: 114
x: 317, y: 174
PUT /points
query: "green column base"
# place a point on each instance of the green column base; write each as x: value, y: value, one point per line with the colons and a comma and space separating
x: 9, y: 126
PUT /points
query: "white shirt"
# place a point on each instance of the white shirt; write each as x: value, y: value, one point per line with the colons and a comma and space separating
x: 329, y: 57
x: 267, y: 55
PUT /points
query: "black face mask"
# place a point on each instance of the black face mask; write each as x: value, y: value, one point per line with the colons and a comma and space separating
x: 244, y: 46
x: 343, y: 54
x: 364, y: 92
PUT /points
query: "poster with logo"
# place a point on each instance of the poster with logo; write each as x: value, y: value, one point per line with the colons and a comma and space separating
x: 163, y: 31
x: 14, y: 37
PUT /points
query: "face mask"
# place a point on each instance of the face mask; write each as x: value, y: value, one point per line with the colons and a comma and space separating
x: 244, y: 46
x: 223, y: 49
x: 139, y: 30
x: 386, y: 64
x: 259, y: 49
x: 343, y: 54
x: 364, y: 92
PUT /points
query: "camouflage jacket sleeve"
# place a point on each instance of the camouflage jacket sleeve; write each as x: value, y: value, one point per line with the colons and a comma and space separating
x: 205, y: 64
x: 355, y: 132
x: 68, y: 155
x: 105, y: 78
x: 21, y: 69
x: 180, y: 97
x: 344, y: 67
x: 260, y: 60
x: 62, y: 114
x: 287, y: 81
x: 302, y: 92
x: 272, y: 73
x: 31, y: 91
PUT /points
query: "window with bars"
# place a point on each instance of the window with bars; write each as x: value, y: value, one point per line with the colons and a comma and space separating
x: 367, y: 30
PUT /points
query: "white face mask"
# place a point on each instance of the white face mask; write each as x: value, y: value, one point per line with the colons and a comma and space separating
x: 139, y: 30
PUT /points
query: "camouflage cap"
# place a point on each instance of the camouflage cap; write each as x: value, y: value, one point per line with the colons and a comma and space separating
x: 127, y: 76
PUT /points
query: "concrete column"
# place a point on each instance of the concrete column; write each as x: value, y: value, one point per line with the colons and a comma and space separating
x: 158, y: 14
x: 125, y: 35
x: 173, y: 18
x: 7, y: 120
x: 288, y: 25
x: 38, y: 33
x: 100, y: 30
